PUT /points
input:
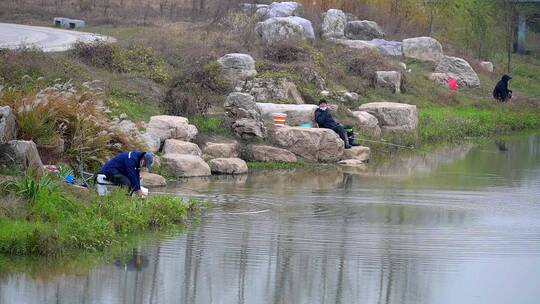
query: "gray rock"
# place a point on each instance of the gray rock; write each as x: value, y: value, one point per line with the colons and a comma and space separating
x: 333, y: 25
x: 487, y: 65
x: 363, y: 30
x: 284, y: 29
x: 367, y: 123
x: 390, y: 48
x: 152, y: 180
x: 389, y: 79
x: 315, y: 144
x: 423, y: 48
x: 351, y: 96
x: 280, y: 9
x: 228, y: 166
x: 458, y: 69
x: 21, y: 153
x: 221, y: 150
x: 268, y: 90
x: 8, y: 125
x: 296, y: 114
x: 264, y: 153
x: 393, y: 117
x: 358, y: 153
x: 175, y: 146
x: 241, y: 105
x: 248, y: 129
x: 184, y: 165
x: 165, y: 127
x: 252, y: 7
x: 238, y: 66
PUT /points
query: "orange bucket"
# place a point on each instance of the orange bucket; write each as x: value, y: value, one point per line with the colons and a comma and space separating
x: 280, y: 119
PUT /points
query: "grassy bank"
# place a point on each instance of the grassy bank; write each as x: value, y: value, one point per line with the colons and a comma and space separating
x: 43, y: 217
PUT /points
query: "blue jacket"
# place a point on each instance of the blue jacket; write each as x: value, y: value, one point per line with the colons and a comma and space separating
x: 324, y: 119
x: 127, y: 164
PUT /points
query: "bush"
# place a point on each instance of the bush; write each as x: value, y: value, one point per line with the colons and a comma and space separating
x: 198, y: 88
x: 285, y: 53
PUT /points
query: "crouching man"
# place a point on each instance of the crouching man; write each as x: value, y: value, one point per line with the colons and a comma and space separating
x: 124, y: 170
x: 324, y: 120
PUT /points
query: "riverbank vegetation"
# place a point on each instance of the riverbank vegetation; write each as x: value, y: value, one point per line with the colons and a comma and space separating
x: 42, y: 216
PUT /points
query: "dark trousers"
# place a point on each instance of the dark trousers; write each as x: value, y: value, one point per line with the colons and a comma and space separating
x: 117, y: 178
x: 341, y: 132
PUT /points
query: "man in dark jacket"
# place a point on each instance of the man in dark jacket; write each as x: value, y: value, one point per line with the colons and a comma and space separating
x: 501, y: 91
x: 124, y: 169
x: 324, y: 120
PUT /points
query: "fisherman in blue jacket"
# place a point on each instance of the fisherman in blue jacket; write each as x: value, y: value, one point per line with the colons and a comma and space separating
x: 325, y: 120
x: 124, y: 169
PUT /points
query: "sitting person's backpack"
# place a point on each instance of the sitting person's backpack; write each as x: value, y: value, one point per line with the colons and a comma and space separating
x: 350, y: 135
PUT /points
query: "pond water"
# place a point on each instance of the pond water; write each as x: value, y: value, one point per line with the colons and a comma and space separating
x: 458, y: 225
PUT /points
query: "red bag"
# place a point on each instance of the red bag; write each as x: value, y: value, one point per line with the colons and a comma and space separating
x: 452, y: 84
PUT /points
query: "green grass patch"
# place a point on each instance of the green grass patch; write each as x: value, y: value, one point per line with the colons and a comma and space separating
x: 453, y: 124
x: 135, y: 110
x: 58, y: 221
x: 210, y: 125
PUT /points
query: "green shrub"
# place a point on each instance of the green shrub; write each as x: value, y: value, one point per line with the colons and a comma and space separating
x: 199, y: 87
x: 210, y: 125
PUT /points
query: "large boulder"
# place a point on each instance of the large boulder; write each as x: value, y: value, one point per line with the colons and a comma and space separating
x: 237, y: 66
x: 363, y: 30
x: 284, y: 30
x: 268, y: 90
x: 315, y: 144
x: 393, y: 116
x: 175, y: 146
x: 221, y: 150
x: 165, y: 127
x: 280, y: 9
x: 21, y: 153
x: 458, y: 69
x: 241, y: 105
x: 386, y: 47
x: 423, y: 48
x: 389, y: 79
x: 152, y: 180
x: 245, y: 119
x: 228, y: 166
x: 333, y: 25
x: 358, y: 153
x: 185, y: 165
x: 249, y: 129
x: 296, y: 114
x: 264, y: 153
x: 367, y: 123
x: 8, y: 125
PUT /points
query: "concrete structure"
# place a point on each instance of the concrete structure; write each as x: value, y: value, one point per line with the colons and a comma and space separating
x: 68, y: 23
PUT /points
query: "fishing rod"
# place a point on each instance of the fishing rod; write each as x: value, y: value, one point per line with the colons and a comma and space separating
x: 387, y: 143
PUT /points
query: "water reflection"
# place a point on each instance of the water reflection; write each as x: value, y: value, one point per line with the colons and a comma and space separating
x: 464, y: 230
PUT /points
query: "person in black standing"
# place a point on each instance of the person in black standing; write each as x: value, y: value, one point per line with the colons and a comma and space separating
x: 501, y: 91
x: 324, y: 120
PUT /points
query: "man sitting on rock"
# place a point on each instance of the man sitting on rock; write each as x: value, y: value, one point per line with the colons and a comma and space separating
x: 124, y: 169
x: 324, y: 120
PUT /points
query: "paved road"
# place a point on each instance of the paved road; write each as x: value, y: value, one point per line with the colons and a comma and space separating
x: 48, y: 39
